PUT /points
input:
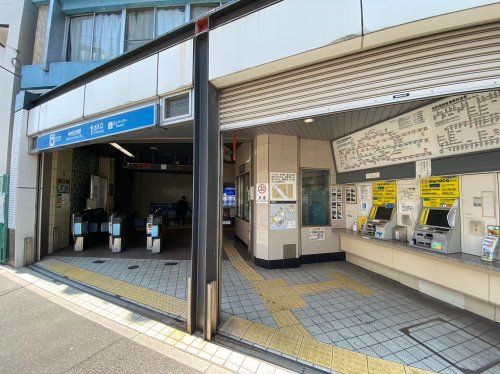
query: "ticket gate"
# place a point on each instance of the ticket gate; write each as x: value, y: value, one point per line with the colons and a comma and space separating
x: 121, y: 230
x: 156, y: 231
x: 89, y: 227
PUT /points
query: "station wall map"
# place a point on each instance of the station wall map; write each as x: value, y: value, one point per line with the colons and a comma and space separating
x: 452, y: 126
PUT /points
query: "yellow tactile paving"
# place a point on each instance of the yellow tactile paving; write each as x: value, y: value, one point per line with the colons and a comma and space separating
x: 286, y: 343
x: 348, y: 362
x: 142, y: 295
x: 236, y: 326
x: 298, y: 329
x: 285, y: 318
x: 259, y: 334
x: 316, y: 353
x: 379, y: 366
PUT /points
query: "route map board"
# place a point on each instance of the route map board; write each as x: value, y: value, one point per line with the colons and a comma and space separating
x: 452, y: 126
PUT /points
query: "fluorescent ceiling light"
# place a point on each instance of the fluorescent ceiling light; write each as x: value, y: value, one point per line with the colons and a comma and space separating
x: 309, y: 120
x: 121, y: 149
x: 153, y: 148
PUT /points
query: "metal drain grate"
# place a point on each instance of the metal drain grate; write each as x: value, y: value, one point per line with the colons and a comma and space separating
x: 472, y: 350
x: 98, y: 262
x: 170, y: 263
x: 133, y: 267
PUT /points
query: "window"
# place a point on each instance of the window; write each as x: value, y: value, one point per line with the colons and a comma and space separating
x: 168, y: 19
x: 4, y: 33
x: 315, y: 197
x: 145, y: 24
x: 242, y: 187
x: 139, y: 28
x: 199, y: 9
x: 94, y: 37
x: 178, y: 106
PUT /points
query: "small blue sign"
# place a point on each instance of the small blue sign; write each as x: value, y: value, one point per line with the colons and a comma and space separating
x: 116, y: 124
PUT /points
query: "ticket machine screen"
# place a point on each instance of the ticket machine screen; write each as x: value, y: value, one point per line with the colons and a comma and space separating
x: 383, y: 213
x: 438, y: 217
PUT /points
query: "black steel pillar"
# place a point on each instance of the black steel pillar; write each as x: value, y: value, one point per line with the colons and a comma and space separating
x: 206, y: 189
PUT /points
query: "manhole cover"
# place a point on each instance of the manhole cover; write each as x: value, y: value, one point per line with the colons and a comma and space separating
x: 471, y: 350
x: 170, y: 263
x: 99, y: 262
x: 133, y: 267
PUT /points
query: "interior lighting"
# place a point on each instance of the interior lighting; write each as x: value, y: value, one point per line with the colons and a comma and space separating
x: 121, y: 149
x: 309, y: 120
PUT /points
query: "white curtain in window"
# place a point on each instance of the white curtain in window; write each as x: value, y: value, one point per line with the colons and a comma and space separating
x: 106, y: 36
x: 80, y: 38
x: 140, y: 24
x: 168, y: 19
x: 198, y: 10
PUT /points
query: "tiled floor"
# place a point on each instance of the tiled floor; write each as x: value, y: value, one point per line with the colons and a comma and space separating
x: 363, y: 312
x: 155, y: 334
x: 337, y: 308
x: 165, y: 276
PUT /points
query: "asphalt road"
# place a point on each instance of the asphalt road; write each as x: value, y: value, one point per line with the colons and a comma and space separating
x: 38, y: 336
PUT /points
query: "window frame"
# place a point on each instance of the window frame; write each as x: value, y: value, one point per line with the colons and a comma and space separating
x: 66, y: 39
x: 183, y: 117
x: 328, y: 205
x: 219, y: 3
x: 240, y: 197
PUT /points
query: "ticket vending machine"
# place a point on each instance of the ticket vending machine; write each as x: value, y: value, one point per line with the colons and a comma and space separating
x: 381, y: 222
x: 438, y: 226
x: 382, y: 218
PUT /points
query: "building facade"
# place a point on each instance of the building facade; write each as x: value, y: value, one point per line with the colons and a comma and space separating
x: 364, y: 133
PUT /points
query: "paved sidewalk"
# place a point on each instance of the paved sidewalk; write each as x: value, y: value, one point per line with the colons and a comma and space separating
x: 50, y: 327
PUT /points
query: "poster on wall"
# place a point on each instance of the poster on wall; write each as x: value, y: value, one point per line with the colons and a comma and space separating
x: 62, y: 193
x: 283, y: 216
x: 316, y: 233
x: 351, y: 195
x: 283, y: 186
x: 336, y: 201
x: 262, y: 196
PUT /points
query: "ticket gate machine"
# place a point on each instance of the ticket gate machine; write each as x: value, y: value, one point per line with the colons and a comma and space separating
x: 121, y: 230
x: 89, y: 227
x: 438, y: 229
x: 156, y: 231
x: 381, y: 222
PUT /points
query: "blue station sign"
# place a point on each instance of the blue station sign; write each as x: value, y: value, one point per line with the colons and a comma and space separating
x: 135, y: 119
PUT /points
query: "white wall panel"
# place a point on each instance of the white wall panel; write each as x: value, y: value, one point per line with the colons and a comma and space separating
x: 63, y: 109
x: 279, y: 31
x: 33, y: 120
x: 175, y: 68
x: 131, y: 84
x: 382, y: 14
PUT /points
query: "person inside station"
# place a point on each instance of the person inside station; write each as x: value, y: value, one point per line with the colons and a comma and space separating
x: 181, y: 210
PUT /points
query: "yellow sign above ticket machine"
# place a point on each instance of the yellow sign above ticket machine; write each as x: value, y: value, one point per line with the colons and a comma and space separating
x: 382, y: 218
x: 438, y: 227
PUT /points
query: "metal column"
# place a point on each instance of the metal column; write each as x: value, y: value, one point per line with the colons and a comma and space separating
x: 203, y: 314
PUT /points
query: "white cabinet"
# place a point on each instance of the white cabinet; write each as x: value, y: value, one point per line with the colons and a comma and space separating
x: 478, y: 207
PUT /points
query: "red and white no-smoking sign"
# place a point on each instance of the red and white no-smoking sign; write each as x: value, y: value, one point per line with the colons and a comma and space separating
x: 262, y: 193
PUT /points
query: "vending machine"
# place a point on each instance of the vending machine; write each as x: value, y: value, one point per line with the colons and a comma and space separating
x: 438, y: 227
x: 382, y: 218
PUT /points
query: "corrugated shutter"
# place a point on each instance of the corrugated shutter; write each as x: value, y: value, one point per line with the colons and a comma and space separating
x: 444, y: 63
x: 14, y: 168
